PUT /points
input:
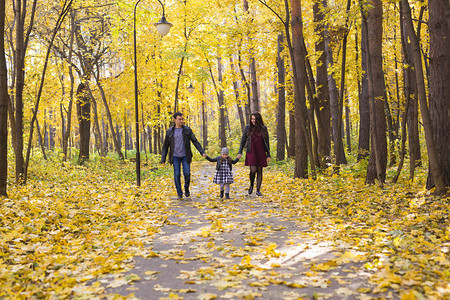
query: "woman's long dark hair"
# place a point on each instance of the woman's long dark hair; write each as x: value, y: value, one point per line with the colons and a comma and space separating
x: 259, y: 123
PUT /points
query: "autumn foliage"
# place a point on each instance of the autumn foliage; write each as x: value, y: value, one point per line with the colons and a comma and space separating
x: 71, y: 226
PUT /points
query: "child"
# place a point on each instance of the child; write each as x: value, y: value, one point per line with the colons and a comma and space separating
x: 223, y: 176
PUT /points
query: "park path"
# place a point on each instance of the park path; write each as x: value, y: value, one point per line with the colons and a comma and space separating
x: 242, y: 248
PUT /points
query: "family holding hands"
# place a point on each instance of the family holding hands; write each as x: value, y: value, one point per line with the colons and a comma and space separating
x: 255, y: 141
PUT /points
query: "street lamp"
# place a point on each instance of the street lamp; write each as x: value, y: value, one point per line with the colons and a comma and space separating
x: 163, y: 28
x: 190, y: 88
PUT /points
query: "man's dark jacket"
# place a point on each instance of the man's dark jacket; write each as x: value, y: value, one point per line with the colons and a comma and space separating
x: 246, y: 140
x: 169, y: 144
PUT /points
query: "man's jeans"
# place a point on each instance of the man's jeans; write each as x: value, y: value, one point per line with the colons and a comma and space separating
x: 177, y: 161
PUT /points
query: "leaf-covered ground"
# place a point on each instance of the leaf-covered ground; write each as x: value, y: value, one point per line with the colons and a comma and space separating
x: 88, y: 232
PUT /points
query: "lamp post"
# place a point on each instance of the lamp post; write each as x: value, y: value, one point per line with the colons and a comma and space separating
x: 163, y: 28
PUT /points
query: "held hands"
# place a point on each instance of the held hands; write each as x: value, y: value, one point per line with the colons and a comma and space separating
x: 239, y: 156
x: 268, y: 159
x: 204, y: 155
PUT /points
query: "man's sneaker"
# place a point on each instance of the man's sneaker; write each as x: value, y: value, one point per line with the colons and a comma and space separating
x: 180, y: 197
x: 258, y: 193
x: 227, y: 195
x: 221, y: 194
x: 187, y: 193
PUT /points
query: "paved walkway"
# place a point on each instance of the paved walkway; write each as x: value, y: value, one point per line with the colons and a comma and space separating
x: 242, y: 248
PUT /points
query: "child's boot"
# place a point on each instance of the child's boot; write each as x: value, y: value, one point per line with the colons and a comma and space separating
x: 221, y: 194
x: 227, y: 195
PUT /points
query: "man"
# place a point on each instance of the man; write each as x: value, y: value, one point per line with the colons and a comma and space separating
x: 178, y: 145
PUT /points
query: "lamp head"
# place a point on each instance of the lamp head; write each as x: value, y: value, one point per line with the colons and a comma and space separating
x: 163, y: 26
x: 190, y: 88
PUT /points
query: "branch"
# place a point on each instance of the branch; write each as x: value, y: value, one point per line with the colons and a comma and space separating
x: 94, y: 6
x: 27, y: 38
x: 271, y: 9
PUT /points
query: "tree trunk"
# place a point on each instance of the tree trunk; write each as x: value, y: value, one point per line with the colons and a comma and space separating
x: 130, y: 138
x: 155, y: 140
x: 364, y: 110
x: 358, y: 80
x: 180, y: 70
x: 412, y: 119
x: 19, y: 66
x: 255, y: 105
x: 150, y: 141
x: 222, y: 108
x: 12, y: 121
x: 348, y: 126
x: 311, y: 91
x: 119, y: 136
x: 21, y: 46
x: 220, y: 100
x: 254, y: 102
x: 241, y: 116
x: 97, y: 132
x: 439, y: 26
x: 301, y: 153
x: 157, y: 134
x: 64, y: 11
x: 144, y: 133
x: 52, y: 137
x: 41, y: 142
x: 204, y: 119
x: 108, y: 114
x: 391, y: 129
x: 378, y: 153
x: 160, y: 140
x: 402, y: 147
x: 84, y: 121
x: 338, y: 138
x: 236, y: 93
x: 105, y: 135
x: 281, y: 110
x: 312, y: 130
x: 51, y: 131
x: 291, y: 146
x: 45, y: 132
x: 410, y: 91
x: 434, y: 165
x: 397, y: 123
x: 72, y: 85
x: 303, y: 145
x: 63, y: 122
x: 334, y: 106
x: 3, y: 106
x: 61, y: 108
x: 247, y: 86
x: 323, y: 95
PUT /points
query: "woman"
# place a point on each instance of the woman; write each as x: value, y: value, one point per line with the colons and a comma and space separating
x: 256, y: 140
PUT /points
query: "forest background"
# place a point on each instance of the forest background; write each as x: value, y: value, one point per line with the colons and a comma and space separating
x: 343, y: 86
x: 319, y: 72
